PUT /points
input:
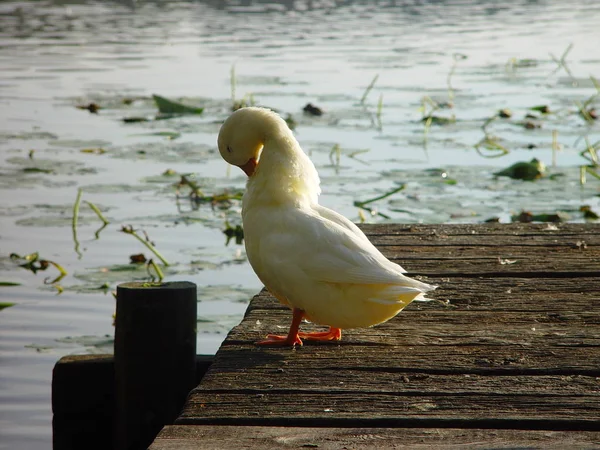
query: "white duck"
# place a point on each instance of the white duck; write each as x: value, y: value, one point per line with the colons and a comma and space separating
x: 310, y: 258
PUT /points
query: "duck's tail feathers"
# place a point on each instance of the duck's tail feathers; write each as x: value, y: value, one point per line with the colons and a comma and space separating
x: 403, y: 294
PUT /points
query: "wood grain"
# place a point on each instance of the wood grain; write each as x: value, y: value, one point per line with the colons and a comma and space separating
x: 502, y: 346
x: 179, y: 437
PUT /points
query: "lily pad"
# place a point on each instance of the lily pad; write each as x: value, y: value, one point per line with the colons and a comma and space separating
x: 50, y: 166
x: 166, y: 106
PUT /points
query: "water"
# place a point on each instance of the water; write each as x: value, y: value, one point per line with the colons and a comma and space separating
x: 57, y: 55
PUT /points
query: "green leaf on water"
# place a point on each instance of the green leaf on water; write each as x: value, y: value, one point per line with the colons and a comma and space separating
x: 4, y: 305
x: 9, y: 283
x: 439, y: 120
x: 135, y: 119
x: 166, y: 106
x: 588, y: 213
x: 36, y: 170
x: 528, y: 171
x: 544, y: 109
x: 168, y: 134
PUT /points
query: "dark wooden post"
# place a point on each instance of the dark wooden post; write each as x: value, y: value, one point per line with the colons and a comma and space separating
x: 155, y: 358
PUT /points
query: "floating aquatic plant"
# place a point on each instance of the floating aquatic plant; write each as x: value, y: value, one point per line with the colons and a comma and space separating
x: 428, y: 107
x: 98, y: 212
x: 222, y: 200
x: 368, y: 89
x: 528, y: 217
x: 75, y: 221
x: 157, y: 270
x: 233, y: 84
x: 504, y: 113
x: 35, y: 264
x: 291, y: 122
x: 336, y: 152
x: 456, y: 57
x: 588, y: 213
x: 514, y: 63
x: 138, y: 258
x: 591, y: 154
x: 544, y: 109
x: 527, y: 171
x: 379, y: 111
x: 236, y: 232
x: 149, y: 245
x: 91, y: 107
x: 555, y: 147
x: 135, y: 119
x: 94, y: 151
x: 587, y: 112
x: 247, y: 100
x: 166, y: 106
x: 492, y: 145
x: 363, y: 204
x: 562, y: 64
x: 312, y: 110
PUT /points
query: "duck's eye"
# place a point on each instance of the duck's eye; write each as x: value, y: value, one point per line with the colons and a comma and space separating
x: 229, y: 150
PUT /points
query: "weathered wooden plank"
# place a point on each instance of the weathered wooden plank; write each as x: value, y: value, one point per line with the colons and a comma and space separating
x: 500, y: 346
x: 562, y: 299
x: 352, y: 409
x: 490, y: 243
x: 497, y: 254
x: 179, y: 437
x: 533, y: 261
x: 574, y: 241
x: 449, y: 359
x: 467, y: 249
x: 402, y: 345
x: 540, y: 268
x: 488, y: 229
x: 458, y: 249
x: 293, y: 380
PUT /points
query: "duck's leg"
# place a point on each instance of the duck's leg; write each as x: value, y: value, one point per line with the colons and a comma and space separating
x: 292, y: 337
x: 334, y: 334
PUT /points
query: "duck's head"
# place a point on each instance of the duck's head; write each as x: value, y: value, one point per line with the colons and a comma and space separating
x: 242, y: 137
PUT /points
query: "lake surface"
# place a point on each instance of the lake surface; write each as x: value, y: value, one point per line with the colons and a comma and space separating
x: 479, y: 56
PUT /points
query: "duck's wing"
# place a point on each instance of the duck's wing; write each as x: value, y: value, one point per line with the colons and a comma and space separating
x: 347, y: 255
x: 343, y: 222
x: 320, y: 245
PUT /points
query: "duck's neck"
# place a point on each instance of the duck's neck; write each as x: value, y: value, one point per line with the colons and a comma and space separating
x: 285, y: 175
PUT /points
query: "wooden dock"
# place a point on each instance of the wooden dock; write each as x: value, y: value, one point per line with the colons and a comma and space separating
x: 506, y: 355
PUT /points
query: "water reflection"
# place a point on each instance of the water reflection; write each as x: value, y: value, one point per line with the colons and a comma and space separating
x: 56, y: 55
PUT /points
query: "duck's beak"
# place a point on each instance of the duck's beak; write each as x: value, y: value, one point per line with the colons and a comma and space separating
x: 250, y: 166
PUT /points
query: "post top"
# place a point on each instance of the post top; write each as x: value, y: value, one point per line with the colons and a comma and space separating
x: 171, y: 285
